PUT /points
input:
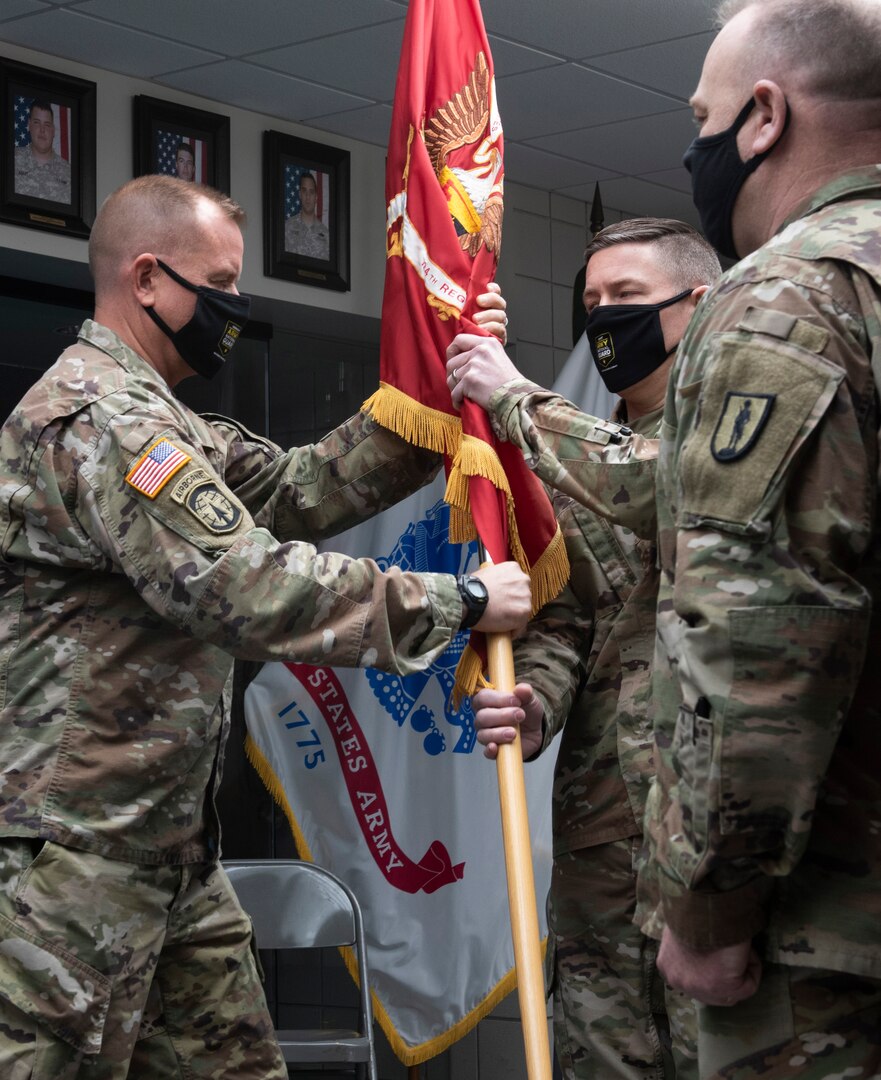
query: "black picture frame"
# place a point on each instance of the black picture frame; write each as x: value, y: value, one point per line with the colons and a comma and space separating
x: 321, y: 257
x: 162, y: 127
x: 35, y: 100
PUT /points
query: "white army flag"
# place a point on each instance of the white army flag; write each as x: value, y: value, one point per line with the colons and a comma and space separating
x: 385, y: 785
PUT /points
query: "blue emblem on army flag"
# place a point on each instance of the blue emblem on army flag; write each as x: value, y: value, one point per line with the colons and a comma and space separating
x: 151, y: 473
x: 425, y: 546
x: 738, y: 429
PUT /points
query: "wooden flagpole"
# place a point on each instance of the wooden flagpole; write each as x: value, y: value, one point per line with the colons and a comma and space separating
x: 521, y: 880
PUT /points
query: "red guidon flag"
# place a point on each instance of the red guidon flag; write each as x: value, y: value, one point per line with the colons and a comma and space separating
x: 444, y: 180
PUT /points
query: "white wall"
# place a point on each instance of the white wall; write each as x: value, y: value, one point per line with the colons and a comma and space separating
x: 543, y: 244
x: 115, y: 166
x: 542, y: 250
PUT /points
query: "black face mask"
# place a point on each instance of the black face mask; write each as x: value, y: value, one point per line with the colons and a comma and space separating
x: 627, y: 341
x: 205, y: 341
x: 718, y: 174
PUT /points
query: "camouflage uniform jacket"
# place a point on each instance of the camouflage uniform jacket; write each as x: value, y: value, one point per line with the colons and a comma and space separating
x: 588, y: 657
x: 766, y: 817
x: 122, y: 605
x: 600, y: 464
x: 42, y: 179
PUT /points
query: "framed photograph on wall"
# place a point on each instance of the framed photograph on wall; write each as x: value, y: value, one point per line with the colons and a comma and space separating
x: 47, y: 151
x: 178, y: 141
x: 305, y: 211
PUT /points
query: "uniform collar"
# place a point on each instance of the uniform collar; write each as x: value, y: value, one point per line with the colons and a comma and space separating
x: 646, y: 425
x: 862, y: 181
x: 109, y: 342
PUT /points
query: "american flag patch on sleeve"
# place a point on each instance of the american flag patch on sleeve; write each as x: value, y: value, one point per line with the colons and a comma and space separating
x: 151, y: 472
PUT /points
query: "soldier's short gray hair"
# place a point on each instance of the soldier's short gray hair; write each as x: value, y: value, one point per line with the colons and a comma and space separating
x: 149, y: 213
x: 833, y: 46
x: 685, y: 256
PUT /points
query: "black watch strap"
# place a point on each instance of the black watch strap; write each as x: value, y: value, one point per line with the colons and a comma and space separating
x: 474, y: 596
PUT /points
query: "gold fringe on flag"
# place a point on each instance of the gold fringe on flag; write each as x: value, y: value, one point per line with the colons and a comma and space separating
x: 477, y: 458
x: 548, y: 576
x: 418, y: 424
x: 438, y: 431
x: 468, y: 677
x: 550, y: 573
x: 474, y: 458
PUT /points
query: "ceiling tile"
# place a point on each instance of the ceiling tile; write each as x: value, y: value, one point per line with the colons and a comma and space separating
x: 588, y: 89
x: 80, y: 37
x: 11, y: 9
x: 524, y: 165
x: 511, y: 59
x: 635, y: 146
x: 674, y: 178
x: 556, y: 99
x: 370, y: 125
x: 671, y: 66
x: 236, y: 82
x: 362, y: 61
x: 576, y: 28
x: 233, y: 29
x: 637, y: 197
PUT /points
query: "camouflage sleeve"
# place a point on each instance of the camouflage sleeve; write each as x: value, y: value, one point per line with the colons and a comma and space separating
x: 552, y: 658
x: 194, y: 553
x: 313, y: 492
x: 598, y: 463
x: 764, y: 490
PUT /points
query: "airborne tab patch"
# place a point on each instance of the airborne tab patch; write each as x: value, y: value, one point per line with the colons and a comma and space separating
x: 743, y: 417
x: 153, y: 470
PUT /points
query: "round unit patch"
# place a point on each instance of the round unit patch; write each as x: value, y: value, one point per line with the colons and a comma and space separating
x: 214, y: 509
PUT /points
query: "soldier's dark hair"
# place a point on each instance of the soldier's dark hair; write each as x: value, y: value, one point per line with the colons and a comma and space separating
x: 831, y: 46
x: 187, y: 148
x: 38, y: 103
x: 150, y: 213
x: 685, y: 255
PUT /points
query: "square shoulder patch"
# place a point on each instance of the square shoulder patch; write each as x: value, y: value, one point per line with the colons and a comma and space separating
x: 759, y: 404
x: 152, y: 471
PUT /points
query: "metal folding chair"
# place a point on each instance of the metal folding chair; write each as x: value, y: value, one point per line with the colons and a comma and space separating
x: 298, y: 905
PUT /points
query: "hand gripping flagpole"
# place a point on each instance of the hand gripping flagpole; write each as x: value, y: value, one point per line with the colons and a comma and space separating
x: 444, y: 209
x: 518, y: 867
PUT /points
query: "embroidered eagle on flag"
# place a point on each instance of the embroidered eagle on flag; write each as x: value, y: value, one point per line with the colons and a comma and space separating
x: 444, y: 205
x: 474, y: 195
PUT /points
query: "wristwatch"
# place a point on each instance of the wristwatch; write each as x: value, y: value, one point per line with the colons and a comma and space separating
x: 475, y: 596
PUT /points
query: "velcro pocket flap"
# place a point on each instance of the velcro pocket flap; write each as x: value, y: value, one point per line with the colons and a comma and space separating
x: 758, y: 406
x: 53, y: 987
x: 193, y: 501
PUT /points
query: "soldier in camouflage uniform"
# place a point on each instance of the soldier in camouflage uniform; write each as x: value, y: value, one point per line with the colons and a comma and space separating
x: 143, y: 547
x: 766, y: 818
x: 305, y: 233
x: 39, y: 171
x: 585, y: 667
